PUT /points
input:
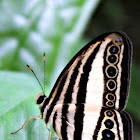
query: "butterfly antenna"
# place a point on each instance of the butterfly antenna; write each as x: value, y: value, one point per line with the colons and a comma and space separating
x: 35, y: 77
x: 44, y: 72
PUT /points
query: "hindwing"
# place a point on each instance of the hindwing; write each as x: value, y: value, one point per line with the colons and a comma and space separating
x: 87, y: 122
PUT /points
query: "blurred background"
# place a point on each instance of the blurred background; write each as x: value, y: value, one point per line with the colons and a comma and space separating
x: 60, y: 29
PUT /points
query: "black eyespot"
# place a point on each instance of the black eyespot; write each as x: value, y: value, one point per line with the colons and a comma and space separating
x: 111, y: 84
x: 109, y: 135
x: 112, y: 58
x: 109, y: 113
x: 114, y: 50
x: 118, y: 41
x: 40, y: 99
x: 109, y: 124
x: 111, y: 97
x: 111, y: 71
x: 110, y: 104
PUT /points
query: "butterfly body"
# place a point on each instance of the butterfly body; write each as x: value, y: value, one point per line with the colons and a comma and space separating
x: 89, y: 96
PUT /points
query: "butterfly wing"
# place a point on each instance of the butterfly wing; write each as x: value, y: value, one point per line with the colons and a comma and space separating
x: 95, y: 124
x: 99, y: 75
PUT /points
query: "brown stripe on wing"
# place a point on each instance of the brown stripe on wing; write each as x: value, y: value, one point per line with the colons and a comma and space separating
x: 68, y: 99
x: 78, y: 124
x: 86, y: 68
x: 81, y: 95
x: 58, y: 87
x: 54, y: 120
x: 47, y: 110
x: 98, y: 126
x: 60, y: 91
x: 59, y: 94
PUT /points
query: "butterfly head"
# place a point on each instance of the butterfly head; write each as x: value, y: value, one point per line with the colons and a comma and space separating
x: 40, y: 98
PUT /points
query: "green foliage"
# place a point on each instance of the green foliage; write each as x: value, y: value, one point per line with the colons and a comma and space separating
x: 133, y: 104
x: 27, y: 30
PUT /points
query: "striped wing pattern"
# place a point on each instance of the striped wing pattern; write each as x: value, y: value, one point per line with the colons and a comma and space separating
x: 73, y: 127
x: 89, y: 96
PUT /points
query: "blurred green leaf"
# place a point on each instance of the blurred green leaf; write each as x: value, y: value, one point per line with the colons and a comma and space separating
x: 133, y: 104
x: 17, y: 99
x: 17, y: 103
x: 15, y: 87
x: 27, y: 30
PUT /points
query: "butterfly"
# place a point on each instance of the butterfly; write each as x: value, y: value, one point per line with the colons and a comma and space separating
x: 88, y: 99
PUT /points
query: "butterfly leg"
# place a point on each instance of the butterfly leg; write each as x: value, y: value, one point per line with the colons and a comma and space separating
x: 36, y: 118
x: 49, y: 131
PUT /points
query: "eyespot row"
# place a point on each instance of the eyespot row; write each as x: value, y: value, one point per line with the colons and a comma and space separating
x: 109, y: 124
x: 111, y: 72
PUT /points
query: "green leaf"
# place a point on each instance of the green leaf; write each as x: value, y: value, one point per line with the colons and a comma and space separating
x: 17, y: 103
x: 15, y: 87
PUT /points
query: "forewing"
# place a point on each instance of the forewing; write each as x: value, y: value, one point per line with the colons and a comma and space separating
x: 98, y: 74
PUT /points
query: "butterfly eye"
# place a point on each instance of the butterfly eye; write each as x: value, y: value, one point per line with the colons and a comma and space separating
x: 40, y: 99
